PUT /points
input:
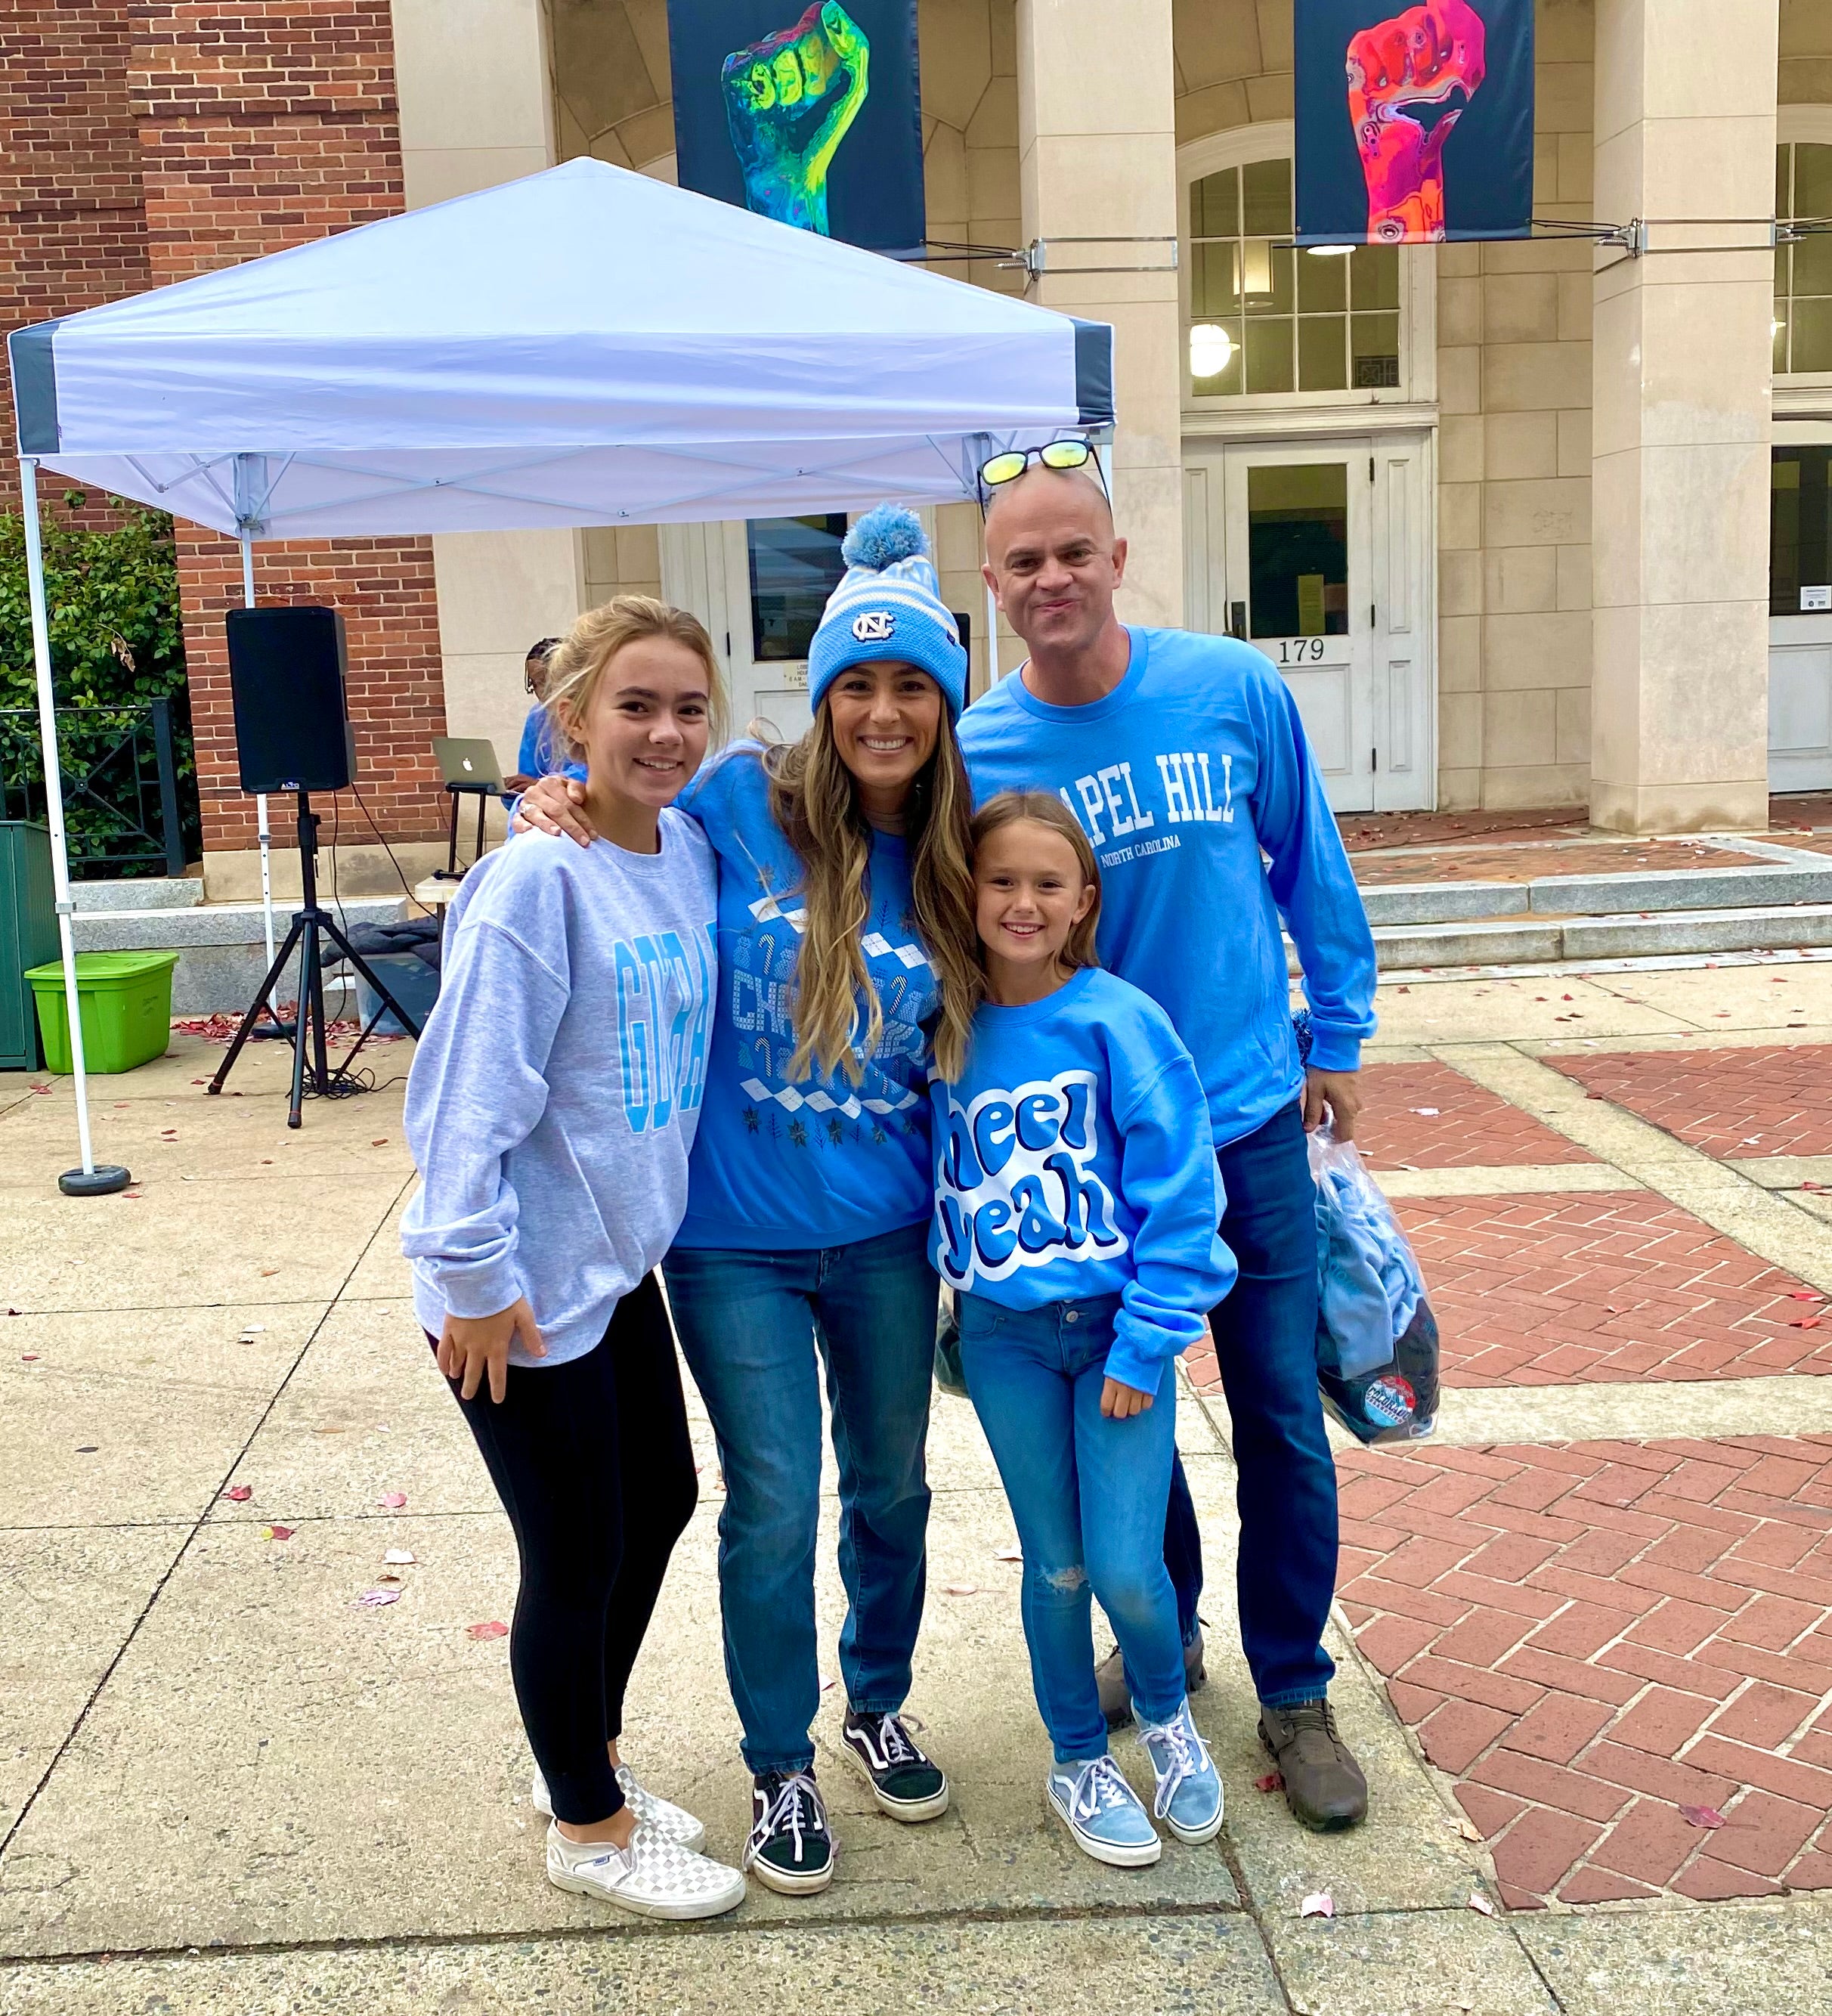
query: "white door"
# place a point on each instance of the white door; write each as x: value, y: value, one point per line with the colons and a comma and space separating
x: 1800, y: 620
x: 1317, y: 552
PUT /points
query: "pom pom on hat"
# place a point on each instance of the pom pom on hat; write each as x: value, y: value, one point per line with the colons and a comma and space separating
x: 887, y: 534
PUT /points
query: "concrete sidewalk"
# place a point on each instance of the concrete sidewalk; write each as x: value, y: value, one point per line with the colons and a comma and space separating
x: 225, y: 1787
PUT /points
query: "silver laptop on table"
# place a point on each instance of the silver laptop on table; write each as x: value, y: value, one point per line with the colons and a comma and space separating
x: 467, y: 762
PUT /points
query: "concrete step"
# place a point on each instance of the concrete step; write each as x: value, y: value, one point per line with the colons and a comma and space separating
x: 150, y: 892
x: 1534, y: 941
x: 222, y: 953
x: 1760, y: 885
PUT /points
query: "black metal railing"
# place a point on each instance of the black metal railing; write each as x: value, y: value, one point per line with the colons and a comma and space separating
x: 128, y: 787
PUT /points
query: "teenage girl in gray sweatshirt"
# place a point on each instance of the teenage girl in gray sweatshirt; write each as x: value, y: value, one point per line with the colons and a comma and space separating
x: 550, y: 1109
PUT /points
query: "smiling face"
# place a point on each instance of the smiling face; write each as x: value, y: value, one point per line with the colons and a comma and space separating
x: 1053, y: 558
x: 886, y: 719
x: 644, y: 729
x: 1029, y: 894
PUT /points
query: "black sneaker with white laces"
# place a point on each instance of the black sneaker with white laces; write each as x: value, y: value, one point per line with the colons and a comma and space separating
x: 791, y: 1847
x: 906, y: 1784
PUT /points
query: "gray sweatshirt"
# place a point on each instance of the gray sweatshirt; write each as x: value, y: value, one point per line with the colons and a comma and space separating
x: 555, y: 1094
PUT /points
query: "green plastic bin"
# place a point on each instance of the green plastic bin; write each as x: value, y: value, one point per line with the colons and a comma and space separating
x: 124, y: 999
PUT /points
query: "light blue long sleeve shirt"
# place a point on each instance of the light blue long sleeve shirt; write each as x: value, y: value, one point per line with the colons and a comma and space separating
x: 1072, y: 1159
x: 1194, y: 765
x: 553, y: 1098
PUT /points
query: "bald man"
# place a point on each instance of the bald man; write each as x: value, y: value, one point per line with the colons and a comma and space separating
x: 1184, y: 759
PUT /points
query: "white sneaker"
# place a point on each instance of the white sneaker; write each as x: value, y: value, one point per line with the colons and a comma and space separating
x: 653, y: 1877
x: 672, y: 1823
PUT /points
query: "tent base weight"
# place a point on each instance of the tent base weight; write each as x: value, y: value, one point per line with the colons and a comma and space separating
x: 103, y: 1180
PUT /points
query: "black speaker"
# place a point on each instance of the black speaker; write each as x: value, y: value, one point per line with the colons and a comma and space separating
x: 286, y: 677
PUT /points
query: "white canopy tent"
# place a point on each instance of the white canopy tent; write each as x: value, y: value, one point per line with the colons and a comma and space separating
x: 585, y: 347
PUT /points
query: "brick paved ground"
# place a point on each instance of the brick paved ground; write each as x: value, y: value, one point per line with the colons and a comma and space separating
x: 1582, y: 1286
x: 1808, y: 809
x: 1427, y: 1116
x: 1772, y: 1101
x: 1590, y: 1637
x: 1526, y: 862
x: 1366, y: 829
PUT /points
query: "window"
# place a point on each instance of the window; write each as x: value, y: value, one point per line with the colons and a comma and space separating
x: 795, y: 565
x: 1266, y: 317
x: 1800, y: 530
x: 1803, y: 270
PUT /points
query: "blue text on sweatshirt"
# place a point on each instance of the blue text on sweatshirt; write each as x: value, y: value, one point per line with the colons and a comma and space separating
x: 1194, y: 764
x: 790, y: 1163
x: 553, y: 1097
x: 1073, y: 1159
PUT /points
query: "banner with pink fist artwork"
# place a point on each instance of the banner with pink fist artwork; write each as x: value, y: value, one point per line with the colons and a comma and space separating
x: 1414, y: 124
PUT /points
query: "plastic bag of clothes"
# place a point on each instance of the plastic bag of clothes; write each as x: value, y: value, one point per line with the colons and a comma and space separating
x: 1376, y: 1338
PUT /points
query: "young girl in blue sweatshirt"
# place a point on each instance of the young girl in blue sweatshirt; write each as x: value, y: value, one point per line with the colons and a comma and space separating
x: 1076, y: 1204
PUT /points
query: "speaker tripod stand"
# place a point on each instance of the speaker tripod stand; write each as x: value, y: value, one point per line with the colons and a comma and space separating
x: 310, y: 1028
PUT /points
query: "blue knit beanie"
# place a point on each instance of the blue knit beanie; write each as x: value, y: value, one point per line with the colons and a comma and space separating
x: 888, y: 606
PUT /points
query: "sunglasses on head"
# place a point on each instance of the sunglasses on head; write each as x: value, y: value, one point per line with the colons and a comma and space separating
x: 1008, y: 466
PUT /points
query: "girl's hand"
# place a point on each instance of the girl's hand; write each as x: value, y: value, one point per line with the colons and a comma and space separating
x: 1119, y: 1403
x: 470, y: 1346
x: 554, y: 805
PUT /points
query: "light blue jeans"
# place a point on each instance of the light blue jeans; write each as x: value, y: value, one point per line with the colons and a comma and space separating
x: 750, y: 1325
x: 1089, y: 1496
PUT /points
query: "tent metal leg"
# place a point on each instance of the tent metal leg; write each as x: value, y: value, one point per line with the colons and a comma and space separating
x: 89, y: 1180
x: 992, y: 640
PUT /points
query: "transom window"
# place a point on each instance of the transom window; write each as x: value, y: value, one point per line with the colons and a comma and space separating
x: 1803, y: 270
x: 1265, y: 317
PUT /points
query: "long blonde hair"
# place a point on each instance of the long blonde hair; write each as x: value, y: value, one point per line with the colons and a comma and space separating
x: 815, y: 800
x: 578, y: 661
x: 1045, y: 808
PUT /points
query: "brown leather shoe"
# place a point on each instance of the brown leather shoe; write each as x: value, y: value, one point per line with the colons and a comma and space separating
x: 1324, y: 1787
x: 1116, y: 1697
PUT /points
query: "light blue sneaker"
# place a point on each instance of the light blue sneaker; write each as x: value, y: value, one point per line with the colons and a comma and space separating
x: 1189, y: 1798
x: 1107, y: 1817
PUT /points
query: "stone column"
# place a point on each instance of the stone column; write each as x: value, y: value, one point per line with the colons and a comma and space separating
x: 1685, y: 127
x: 477, y: 109
x: 1097, y: 154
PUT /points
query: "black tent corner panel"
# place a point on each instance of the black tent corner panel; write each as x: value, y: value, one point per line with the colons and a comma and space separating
x: 1094, y: 373
x: 34, y: 387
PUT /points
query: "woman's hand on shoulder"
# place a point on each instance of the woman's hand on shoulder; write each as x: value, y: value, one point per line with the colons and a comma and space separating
x: 1120, y: 1401
x: 472, y: 1348
x: 555, y: 805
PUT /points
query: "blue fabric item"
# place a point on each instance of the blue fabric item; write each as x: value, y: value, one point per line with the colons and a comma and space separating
x: 1194, y: 764
x: 820, y: 1162
x: 540, y: 755
x: 1072, y: 1160
x: 553, y: 1098
x: 1370, y: 1284
x: 750, y: 1326
x: 888, y: 606
x: 1087, y: 1495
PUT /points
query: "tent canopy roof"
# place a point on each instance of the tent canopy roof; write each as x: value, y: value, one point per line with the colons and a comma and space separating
x: 585, y: 346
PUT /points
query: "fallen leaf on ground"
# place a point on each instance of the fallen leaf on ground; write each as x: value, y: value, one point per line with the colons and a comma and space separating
x: 1702, y: 1816
x: 399, y: 1557
x: 380, y: 1141
x: 1008, y: 1554
x: 959, y: 1589
x: 392, y: 1501
x: 1319, y: 1904
x: 28, y: 1358
x: 1479, y: 1902
x: 240, y: 1494
x: 1805, y: 1295
x: 266, y: 1270
x: 373, y: 1599
x: 1804, y: 1323
x: 827, y: 1684
x: 492, y: 1630
x: 1273, y: 1781
x: 276, y: 1532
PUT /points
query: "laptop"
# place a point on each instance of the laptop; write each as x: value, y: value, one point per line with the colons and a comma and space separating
x: 467, y: 763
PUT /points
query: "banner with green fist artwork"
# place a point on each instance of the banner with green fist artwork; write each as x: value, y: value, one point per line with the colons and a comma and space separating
x: 812, y: 118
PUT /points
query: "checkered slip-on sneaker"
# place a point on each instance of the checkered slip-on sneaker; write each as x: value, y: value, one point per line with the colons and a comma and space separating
x: 672, y: 1823
x: 653, y: 1877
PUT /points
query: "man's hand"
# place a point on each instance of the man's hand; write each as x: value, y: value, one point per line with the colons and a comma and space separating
x: 1120, y: 1401
x: 1334, y: 1097
x: 553, y: 804
x: 472, y: 1346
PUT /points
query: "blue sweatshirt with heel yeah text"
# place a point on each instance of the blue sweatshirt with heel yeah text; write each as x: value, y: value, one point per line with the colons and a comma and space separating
x: 1073, y: 1159
x: 1195, y: 763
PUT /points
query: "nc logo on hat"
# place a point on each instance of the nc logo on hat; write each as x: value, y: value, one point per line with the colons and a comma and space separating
x: 874, y: 626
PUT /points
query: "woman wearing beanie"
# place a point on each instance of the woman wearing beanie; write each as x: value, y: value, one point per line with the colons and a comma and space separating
x: 845, y: 898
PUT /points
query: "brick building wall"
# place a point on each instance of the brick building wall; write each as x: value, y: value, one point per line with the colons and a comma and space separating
x: 147, y: 142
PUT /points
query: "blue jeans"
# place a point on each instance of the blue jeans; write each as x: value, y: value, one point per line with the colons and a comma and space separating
x: 749, y: 1324
x: 1265, y: 1339
x: 1088, y: 1494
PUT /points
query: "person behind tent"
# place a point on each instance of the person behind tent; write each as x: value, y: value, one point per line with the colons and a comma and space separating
x: 1076, y: 1204
x: 545, y: 751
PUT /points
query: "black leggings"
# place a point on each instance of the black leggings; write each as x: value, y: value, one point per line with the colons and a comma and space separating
x: 592, y: 1462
